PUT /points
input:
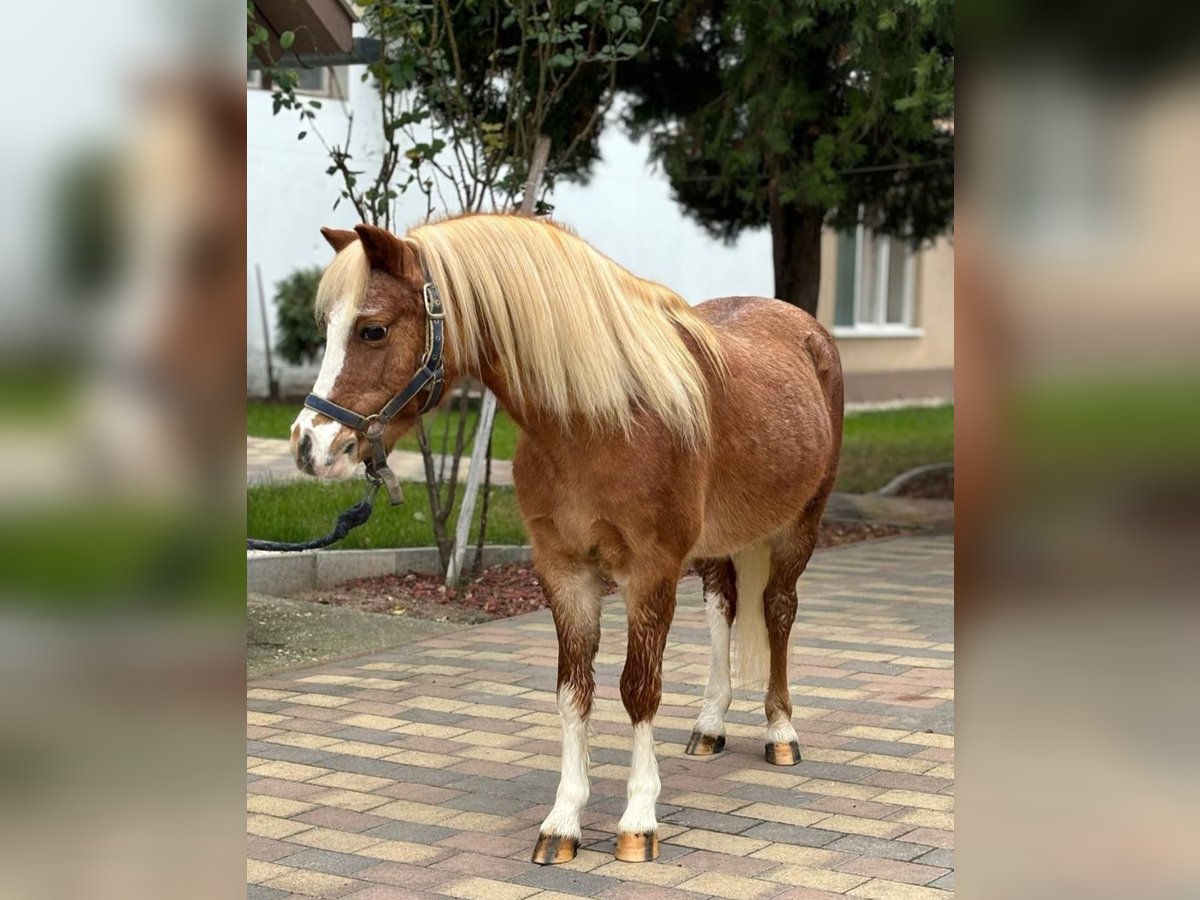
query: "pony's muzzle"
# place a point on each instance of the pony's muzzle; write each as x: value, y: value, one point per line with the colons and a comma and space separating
x: 325, y: 449
x: 348, y: 447
x: 304, y: 454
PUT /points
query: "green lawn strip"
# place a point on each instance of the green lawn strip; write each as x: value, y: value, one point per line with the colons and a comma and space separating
x: 879, y: 445
x: 299, y: 510
x: 274, y: 420
x: 876, y: 447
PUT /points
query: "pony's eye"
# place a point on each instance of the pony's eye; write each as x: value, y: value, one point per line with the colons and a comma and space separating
x: 373, y: 333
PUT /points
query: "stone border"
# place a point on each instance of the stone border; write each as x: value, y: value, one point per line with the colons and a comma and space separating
x: 285, y: 574
x: 894, y: 486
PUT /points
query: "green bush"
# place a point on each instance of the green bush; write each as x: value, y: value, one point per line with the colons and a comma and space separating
x: 299, y: 340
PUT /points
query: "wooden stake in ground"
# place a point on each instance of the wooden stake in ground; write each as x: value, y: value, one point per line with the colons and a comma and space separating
x: 487, y: 409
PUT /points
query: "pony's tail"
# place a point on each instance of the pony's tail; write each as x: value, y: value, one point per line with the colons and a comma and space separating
x: 752, y: 662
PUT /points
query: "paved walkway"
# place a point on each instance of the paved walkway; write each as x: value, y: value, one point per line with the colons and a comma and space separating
x: 425, y: 771
x: 270, y: 459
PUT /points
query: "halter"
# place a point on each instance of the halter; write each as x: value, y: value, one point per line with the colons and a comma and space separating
x: 429, y: 377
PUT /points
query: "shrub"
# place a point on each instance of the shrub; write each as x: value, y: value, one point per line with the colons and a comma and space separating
x: 299, y: 340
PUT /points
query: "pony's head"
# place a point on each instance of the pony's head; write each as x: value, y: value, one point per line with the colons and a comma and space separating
x: 371, y: 306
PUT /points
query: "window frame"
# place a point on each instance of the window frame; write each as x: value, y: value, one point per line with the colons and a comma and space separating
x: 333, y: 82
x: 862, y: 328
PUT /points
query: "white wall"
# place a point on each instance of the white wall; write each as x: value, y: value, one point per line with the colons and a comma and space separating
x: 626, y: 211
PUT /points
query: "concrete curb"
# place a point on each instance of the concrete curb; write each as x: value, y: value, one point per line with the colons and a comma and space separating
x: 894, y: 486
x: 284, y: 574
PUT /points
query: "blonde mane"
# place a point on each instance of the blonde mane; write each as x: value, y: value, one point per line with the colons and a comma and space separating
x: 576, y: 334
x: 344, y: 279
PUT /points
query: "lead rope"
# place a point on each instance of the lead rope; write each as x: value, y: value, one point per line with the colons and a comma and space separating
x: 351, y: 518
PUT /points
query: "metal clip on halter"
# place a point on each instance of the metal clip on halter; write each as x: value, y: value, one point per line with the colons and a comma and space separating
x: 378, y: 471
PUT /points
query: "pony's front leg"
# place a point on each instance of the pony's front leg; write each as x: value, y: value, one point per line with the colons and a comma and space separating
x: 574, y: 595
x: 650, y: 611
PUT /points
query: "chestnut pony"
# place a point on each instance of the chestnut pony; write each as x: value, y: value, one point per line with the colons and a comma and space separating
x: 653, y: 434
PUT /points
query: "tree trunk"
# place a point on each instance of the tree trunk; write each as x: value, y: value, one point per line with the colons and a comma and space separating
x: 796, y: 248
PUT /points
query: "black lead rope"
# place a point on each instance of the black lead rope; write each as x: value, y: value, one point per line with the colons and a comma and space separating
x: 352, y: 518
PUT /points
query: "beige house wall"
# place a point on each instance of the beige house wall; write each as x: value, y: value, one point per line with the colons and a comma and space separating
x: 917, y: 364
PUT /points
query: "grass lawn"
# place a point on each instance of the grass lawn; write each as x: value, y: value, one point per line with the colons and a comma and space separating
x: 299, y: 510
x: 876, y: 447
x: 274, y: 420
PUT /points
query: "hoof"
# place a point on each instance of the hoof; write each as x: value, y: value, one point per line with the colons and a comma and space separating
x: 552, y: 849
x: 638, y: 847
x: 781, y: 754
x: 704, y: 744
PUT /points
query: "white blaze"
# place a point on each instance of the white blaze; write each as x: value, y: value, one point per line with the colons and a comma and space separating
x: 337, y: 338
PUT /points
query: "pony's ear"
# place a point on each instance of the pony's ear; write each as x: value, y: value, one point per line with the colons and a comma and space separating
x: 387, y: 252
x: 338, y: 239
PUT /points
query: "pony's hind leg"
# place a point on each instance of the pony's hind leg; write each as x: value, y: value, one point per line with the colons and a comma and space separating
x: 651, y: 605
x: 790, y: 554
x: 720, y: 603
x: 574, y: 593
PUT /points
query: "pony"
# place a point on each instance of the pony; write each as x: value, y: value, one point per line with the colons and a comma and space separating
x: 654, y: 434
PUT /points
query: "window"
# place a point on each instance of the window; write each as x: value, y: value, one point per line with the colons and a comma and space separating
x: 874, y: 291
x: 320, y: 81
x: 314, y: 81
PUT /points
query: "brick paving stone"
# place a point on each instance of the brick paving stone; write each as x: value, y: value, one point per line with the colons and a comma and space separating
x: 491, y: 804
x: 328, y: 861
x: 267, y: 849
x: 817, y: 878
x: 387, y: 892
x: 657, y: 873
x: 340, y: 819
x: 425, y: 770
x: 486, y: 889
x: 468, y: 863
x: 881, y: 889
x: 932, y: 836
x: 792, y: 834
x: 313, y: 884
x: 946, y: 882
x: 564, y: 880
x: 877, y: 847
x: 413, y: 832
x: 631, y: 890
x: 788, y: 815
x: 759, y: 793
x: 893, y: 870
x: 712, y: 821
x: 733, y: 887
x: 941, y: 858
x: 401, y: 874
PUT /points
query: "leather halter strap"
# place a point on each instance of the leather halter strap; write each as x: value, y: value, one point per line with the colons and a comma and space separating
x: 430, y: 377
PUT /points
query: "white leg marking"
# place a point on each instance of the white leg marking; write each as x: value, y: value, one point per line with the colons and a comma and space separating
x: 781, y: 732
x: 573, y: 785
x: 718, y: 693
x: 643, y: 784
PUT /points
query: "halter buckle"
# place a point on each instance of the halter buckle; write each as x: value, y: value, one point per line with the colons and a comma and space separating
x: 433, y: 302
